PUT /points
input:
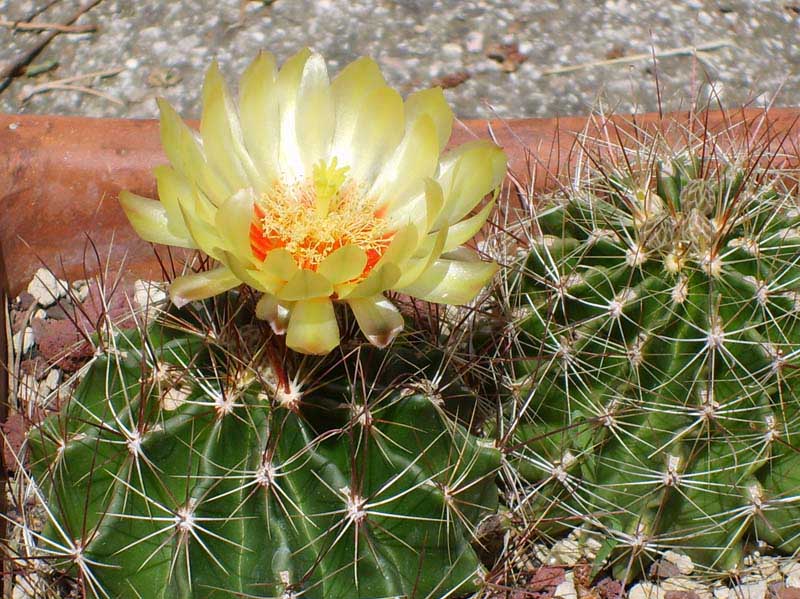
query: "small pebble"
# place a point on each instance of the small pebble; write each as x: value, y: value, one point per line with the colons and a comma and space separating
x: 149, y: 293
x: 683, y: 584
x: 646, y: 590
x: 81, y: 290
x: 57, y: 312
x: 451, y: 50
x: 664, y: 569
x: 754, y: 590
x: 769, y: 568
x: 790, y: 568
x: 23, y: 341
x: 23, y: 589
x: 682, y: 562
x: 565, y: 552
x: 474, y: 41
x: 174, y: 398
x: 24, y: 301
x: 722, y: 592
x: 566, y: 589
x: 46, y: 288
x: 792, y: 572
x: 50, y: 382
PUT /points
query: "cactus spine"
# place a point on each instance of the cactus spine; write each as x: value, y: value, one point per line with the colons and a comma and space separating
x: 656, y: 383
x: 185, y: 467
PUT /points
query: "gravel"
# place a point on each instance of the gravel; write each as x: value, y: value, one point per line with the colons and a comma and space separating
x: 162, y: 49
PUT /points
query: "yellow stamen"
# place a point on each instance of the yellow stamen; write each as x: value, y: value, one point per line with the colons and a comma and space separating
x: 314, y: 217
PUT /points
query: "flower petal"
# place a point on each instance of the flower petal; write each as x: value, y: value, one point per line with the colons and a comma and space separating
x: 465, y: 230
x: 233, y: 221
x: 259, y: 115
x: 280, y: 263
x: 378, y: 319
x: 466, y: 175
x: 429, y: 251
x: 201, y: 285
x: 343, y: 264
x: 257, y: 279
x: 223, y: 142
x: 204, y: 235
x: 403, y: 245
x: 378, y: 131
x: 424, y: 208
x: 380, y: 278
x: 173, y: 189
x: 288, y: 84
x: 150, y: 220
x: 387, y: 271
x: 350, y: 88
x: 449, y: 281
x: 312, y: 327
x: 315, y: 112
x: 306, y: 284
x: 432, y: 102
x: 414, y: 160
x: 186, y: 155
x: 274, y: 311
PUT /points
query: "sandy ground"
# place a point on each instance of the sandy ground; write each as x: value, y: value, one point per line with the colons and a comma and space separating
x: 501, y: 57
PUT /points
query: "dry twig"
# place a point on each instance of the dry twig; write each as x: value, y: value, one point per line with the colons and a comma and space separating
x: 686, y: 50
x: 13, y: 67
x: 68, y: 83
x: 59, y: 27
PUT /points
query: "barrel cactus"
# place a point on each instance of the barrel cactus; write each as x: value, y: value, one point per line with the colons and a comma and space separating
x: 202, y: 460
x: 655, y: 376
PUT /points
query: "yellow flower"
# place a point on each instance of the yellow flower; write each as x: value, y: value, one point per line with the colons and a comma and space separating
x: 315, y: 191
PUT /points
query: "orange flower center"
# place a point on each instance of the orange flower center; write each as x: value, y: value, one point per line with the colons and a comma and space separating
x: 314, y: 217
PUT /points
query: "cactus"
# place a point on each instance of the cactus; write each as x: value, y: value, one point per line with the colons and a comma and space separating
x: 189, y: 464
x: 655, y: 377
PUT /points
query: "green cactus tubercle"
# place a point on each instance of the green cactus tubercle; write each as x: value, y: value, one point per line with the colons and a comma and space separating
x: 221, y: 482
x: 657, y: 364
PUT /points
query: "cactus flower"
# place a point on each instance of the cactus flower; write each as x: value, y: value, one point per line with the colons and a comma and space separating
x: 315, y: 190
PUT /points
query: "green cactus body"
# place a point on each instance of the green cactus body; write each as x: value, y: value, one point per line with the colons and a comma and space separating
x: 658, y: 335
x: 230, y: 492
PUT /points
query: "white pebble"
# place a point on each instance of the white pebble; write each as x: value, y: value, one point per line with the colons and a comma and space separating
x: 566, y: 589
x: 174, y: 398
x: 23, y: 589
x: 682, y: 583
x: 722, y: 592
x: 46, y: 288
x: 451, y: 50
x: 80, y: 290
x: 23, y: 341
x: 646, y: 590
x: 565, y: 552
x: 150, y: 296
x: 50, y: 382
x: 755, y: 590
x: 682, y: 562
x: 474, y: 41
x: 791, y: 568
x: 793, y: 580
